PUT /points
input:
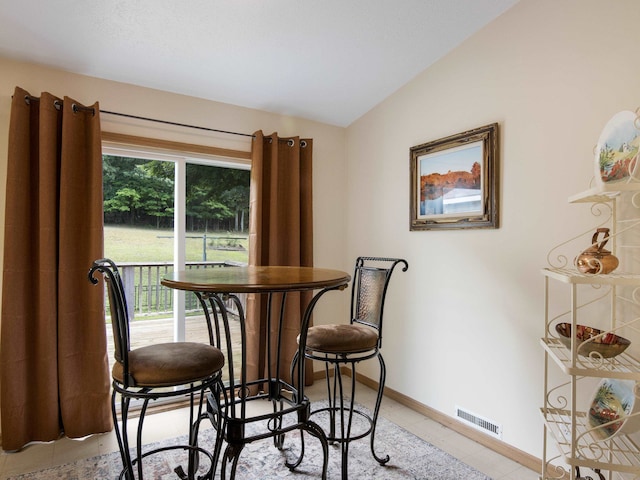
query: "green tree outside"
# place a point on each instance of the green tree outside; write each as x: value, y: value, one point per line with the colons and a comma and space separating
x: 140, y: 192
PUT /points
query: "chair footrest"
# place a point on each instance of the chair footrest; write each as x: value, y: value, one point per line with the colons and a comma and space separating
x: 179, y: 470
x: 336, y: 411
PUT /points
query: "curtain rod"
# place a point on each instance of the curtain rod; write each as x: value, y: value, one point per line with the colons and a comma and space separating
x: 77, y: 108
x: 174, y: 123
x: 289, y: 141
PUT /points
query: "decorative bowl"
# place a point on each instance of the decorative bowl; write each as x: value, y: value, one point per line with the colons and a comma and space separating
x: 608, y: 345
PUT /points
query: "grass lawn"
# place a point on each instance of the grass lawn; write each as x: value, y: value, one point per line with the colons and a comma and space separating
x: 133, y: 244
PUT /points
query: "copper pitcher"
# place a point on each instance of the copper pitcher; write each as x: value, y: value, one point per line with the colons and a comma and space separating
x: 596, y: 259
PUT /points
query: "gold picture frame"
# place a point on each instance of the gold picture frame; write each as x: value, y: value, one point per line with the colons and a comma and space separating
x: 454, y: 181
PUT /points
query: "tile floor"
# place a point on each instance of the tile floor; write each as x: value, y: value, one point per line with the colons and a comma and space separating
x: 170, y: 424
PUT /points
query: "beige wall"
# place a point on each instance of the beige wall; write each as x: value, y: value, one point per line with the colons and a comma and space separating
x: 464, y: 321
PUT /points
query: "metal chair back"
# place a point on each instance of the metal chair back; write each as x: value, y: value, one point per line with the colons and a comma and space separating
x: 118, y: 309
x: 370, y: 282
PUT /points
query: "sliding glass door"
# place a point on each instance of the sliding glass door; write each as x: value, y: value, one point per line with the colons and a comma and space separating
x: 170, y: 212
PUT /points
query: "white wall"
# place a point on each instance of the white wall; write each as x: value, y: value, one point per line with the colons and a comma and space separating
x: 464, y: 322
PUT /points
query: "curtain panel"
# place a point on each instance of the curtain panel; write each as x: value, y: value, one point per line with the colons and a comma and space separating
x: 280, y: 233
x: 54, y: 375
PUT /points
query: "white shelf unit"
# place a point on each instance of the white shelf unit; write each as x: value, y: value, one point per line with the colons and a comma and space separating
x: 567, y: 373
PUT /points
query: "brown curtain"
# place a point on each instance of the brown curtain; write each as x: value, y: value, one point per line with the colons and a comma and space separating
x: 281, y: 233
x: 54, y: 375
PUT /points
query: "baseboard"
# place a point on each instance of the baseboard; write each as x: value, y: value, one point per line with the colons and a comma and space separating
x: 512, y: 453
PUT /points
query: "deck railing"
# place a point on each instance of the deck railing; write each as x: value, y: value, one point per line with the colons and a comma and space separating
x: 146, y: 296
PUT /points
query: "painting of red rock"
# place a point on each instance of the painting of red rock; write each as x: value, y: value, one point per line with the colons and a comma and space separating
x: 434, y: 184
x: 455, y: 181
x: 451, y: 181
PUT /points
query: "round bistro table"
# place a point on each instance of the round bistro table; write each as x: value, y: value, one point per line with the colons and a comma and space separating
x: 217, y: 289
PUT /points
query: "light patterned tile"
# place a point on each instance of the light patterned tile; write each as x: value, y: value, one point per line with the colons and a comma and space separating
x: 521, y: 473
x: 491, y: 463
x: 68, y: 450
x: 33, y: 457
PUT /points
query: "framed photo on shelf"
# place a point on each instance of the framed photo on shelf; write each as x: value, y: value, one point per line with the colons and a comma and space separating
x: 454, y: 181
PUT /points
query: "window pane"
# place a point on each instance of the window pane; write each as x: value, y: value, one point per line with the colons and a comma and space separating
x: 217, y: 215
x: 218, y: 208
x: 139, y: 209
x: 138, y: 236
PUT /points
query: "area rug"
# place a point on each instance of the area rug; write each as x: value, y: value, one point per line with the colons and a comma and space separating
x: 411, y: 459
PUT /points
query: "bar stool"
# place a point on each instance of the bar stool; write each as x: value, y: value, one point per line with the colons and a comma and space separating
x: 157, y: 371
x: 361, y: 339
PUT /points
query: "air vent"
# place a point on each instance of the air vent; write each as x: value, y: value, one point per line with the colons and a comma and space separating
x: 479, y: 423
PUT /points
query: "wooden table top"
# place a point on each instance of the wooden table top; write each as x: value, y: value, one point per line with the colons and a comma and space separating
x: 255, y: 279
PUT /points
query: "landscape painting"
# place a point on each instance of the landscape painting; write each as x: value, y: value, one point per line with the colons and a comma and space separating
x: 454, y: 181
x: 451, y: 181
x: 617, y: 149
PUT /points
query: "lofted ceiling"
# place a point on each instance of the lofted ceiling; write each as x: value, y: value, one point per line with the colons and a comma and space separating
x: 324, y: 60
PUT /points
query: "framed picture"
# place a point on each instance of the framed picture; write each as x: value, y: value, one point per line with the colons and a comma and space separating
x: 454, y: 181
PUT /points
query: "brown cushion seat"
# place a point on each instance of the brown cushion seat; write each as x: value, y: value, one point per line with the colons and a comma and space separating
x: 168, y: 364
x: 341, y: 338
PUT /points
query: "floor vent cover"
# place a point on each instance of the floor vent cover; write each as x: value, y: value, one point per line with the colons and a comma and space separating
x: 479, y: 423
